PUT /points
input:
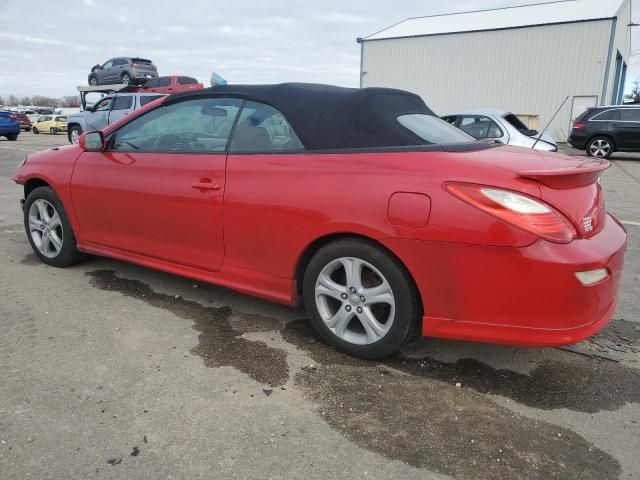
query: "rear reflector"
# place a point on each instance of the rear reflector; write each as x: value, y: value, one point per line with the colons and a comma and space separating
x: 592, y: 276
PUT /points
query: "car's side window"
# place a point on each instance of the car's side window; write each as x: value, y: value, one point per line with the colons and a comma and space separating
x: 108, y: 64
x: 152, y: 83
x: 122, y: 102
x: 262, y: 128
x: 119, y: 61
x: 186, y: 81
x: 609, y: 115
x: 103, y: 105
x: 450, y: 119
x: 144, y: 99
x: 44, y: 119
x: 197, y: 125
x: 480, y: 127
x: 164, y: 81
x: 630, y: 114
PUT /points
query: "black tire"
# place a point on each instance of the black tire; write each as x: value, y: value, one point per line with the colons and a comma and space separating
x: 125, y: 78
x: 93, y: 81
x: 407, y: 304
x: 12, y: 137
x: 36, y: 131
x: 75, y: 128
x: 600, y: 147
x: 68, y: 254
x: 53, y: 131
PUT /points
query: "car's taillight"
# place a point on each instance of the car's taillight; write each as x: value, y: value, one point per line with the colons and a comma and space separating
x: 579, y: 125
x: 520, y: 210
x: 13, y: 116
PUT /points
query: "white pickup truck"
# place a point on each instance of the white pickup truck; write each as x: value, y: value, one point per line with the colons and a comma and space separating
x: 115, y: 104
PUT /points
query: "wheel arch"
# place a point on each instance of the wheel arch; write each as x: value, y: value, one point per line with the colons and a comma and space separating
x: 311, y: 249
x: 33, y: 183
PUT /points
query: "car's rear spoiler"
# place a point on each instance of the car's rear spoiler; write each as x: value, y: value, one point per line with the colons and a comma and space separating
x: 563, y: 178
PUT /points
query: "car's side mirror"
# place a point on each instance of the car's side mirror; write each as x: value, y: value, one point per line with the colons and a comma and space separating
x: 91, y: 142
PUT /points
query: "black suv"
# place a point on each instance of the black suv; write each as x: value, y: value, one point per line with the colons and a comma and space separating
x: 604, y: 130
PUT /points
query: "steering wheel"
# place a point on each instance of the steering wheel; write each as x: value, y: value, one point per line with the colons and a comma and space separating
x: 168, y: 142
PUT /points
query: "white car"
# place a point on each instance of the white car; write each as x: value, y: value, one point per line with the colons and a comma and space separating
x: 491, y: 123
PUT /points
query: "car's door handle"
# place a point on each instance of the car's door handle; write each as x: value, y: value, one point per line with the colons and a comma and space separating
x: 204, y: 185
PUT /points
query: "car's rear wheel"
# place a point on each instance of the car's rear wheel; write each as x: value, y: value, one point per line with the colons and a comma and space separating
x: 48, y: 228
x: 53, y: 131
x: 35, y: 130
x: 12, y: 137
x: 125, y: 78
x: 74, y: 134
x: 93, y: 81
x: 360, y: 298
x: 600, y: 147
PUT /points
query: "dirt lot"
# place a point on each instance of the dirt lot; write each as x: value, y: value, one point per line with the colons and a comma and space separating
x: 109, y: 370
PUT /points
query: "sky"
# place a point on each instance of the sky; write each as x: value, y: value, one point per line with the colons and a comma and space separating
x: 47, y: 48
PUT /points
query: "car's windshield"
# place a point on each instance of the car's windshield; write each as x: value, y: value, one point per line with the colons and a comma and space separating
x: 433, y: 130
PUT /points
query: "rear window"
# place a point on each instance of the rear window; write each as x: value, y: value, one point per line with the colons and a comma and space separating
x: 433, y: 130
x: 607, y: 115
x: 148, y: 99
x: 122, y: 102
x: 515, y: 121
x: 61, y: 119
x: 186, y: 81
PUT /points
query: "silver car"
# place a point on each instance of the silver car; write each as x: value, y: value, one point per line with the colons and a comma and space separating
x: 491, y: 123
x: 125, y: 70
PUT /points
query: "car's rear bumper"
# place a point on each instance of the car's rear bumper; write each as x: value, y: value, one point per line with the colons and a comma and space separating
x: 525, y: 296
x: 577, y: 140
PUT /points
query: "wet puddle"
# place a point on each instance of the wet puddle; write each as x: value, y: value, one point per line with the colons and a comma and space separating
x: 411, y: 410
x: 219, y: 343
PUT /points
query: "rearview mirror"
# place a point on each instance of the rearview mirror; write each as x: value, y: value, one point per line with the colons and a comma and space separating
x: 91, y: 142
x: 213, y: 111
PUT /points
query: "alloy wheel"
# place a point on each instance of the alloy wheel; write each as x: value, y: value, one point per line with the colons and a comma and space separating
x: 126, y: 79
x: 600, y: 148
x: 93, y: 81
x: 355, y: 301
x: 45, y: 228
x: 75, y: 136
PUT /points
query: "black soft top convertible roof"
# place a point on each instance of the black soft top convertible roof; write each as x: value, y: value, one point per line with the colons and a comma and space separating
x: 327, y: 117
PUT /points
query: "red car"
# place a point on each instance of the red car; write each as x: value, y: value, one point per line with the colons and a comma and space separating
x: 170, y: 84
x: 25, y: 123
x: 361, y: 203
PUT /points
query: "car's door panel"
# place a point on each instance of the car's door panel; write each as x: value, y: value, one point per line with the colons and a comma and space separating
x: 627, y: 130
x: 98, y: 117
x: 146, y: 203
x: 158, y: 189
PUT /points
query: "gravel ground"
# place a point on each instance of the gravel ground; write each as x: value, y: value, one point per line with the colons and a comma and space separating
x: 111, y: 370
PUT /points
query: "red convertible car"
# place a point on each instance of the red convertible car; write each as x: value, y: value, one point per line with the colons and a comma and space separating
x: 361, y: 203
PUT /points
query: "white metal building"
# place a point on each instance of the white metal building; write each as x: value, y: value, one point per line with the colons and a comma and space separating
x: 524, y: 59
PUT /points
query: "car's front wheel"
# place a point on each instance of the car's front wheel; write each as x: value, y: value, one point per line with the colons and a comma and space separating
x: 53, y: 131
x: 12, y: 137
x: 48, y: 228
x: 74, y: 134
x: 361, y: 300
x: 125, y: 79
x: 36, y: 131
x: 93, y: 81
x: 600, y: 147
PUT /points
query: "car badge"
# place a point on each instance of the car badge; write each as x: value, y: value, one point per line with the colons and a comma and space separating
x: 587, y: 224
